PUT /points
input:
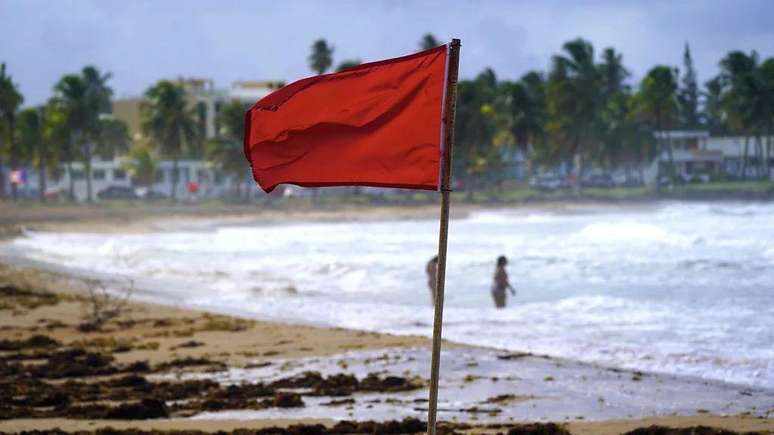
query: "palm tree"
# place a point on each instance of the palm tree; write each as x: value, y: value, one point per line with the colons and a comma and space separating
x: 348, y: 63
x: 428, y: 41
x: 657, y: 103
x: 689, y: 92
x: 525, y: 109
x: 10, y: 100
x: 613, y: 72
x: 474, y: 126
x: 321, y: 57
x: 767, y: 77
x: 713, y: 115
x: 112, y: 137
x: 85, y: 98
x: 56, y: 139
x: 748, y: 99
x: 70, y: 99
x: 97, y: 95
x: 169, y: 123
x: 226, y: 150
x: 573, y: 100
x: 140, y: 163
x: 32, y: 144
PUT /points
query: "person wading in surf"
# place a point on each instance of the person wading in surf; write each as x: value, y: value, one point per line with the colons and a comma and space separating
x: 501, y: 283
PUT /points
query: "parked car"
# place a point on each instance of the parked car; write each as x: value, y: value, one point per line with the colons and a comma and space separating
x: 546, y: 182
x: 597, y: 180
x: 117, y: 192
x: 150, y: 194
x: 155, y: 194
x: 56, y: 194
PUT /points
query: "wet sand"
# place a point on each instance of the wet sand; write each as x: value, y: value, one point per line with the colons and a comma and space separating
x: 158, y: 368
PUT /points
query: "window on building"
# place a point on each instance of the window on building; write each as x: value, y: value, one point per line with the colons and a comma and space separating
x: 159, y: 176
x: 119, y: 174
x: 77, y: 174
x: 98, y: 174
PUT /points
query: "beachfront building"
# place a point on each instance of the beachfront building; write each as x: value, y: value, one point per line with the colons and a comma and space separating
x: 741, y: 158
x: 111, y: 174
x: 699, y: 156
x: 692, y: 158
x: 206, y: 100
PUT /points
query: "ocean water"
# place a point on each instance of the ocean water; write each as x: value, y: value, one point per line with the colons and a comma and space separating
x: 685, y: 289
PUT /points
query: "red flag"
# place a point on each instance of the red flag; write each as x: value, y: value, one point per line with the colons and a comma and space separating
x: 376, y: 124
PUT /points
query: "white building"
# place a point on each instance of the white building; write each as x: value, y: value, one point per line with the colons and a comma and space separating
x: 112, y: 173
x: 696, y: 153
x: 206, y: 101
x: 733, y: 150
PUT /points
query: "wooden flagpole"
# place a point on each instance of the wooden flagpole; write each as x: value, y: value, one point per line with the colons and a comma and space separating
x: 450, y: 100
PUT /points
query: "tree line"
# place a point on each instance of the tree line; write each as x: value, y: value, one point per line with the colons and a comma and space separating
x: 582, y: 112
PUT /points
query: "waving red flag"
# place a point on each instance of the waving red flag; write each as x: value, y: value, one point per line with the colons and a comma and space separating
x: 376, y: 124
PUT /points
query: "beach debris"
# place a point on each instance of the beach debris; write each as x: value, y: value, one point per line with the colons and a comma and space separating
x: 146, y: 409
x: 36, y: 341
x: 405, y: 426
x: 345, y: 384
x: 539, y: 429
x: 103, y: 304
x: 287, y: 400
x: 189, y: 362
x: 513, y: 356
x: 502, y: 398
x: 188, y: 344
x: 695, y: 430
x: 18, y: 299
x: 339, y: 402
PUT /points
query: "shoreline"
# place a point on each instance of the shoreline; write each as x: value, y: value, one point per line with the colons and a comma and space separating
x: 262, y: 350
x: 148, y: 217
x: 155, y: 303
x: 152, y: 291
x: 242, y: 349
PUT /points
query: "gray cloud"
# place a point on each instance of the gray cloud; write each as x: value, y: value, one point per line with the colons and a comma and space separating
x: 142, y: 41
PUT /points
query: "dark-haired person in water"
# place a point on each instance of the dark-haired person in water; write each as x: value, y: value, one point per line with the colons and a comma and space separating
x: 501, y: 283
x: 432, y: 273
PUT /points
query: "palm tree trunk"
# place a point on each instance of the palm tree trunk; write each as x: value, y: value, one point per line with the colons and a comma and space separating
x: 2, y: 180
x: 577, y: 163
x: 759, y: 163
x: 743, y: 174
x: 12, y: 129
x: 670, y: 151
x: 175, y: 175
x: 69, y: 156
x: 659, y: 152
x: 71, y: 192
x: 42, y: 174
x: 768, y: 151
x: 87, y: 168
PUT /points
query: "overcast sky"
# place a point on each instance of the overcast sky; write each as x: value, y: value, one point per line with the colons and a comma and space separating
x: 142, y: 41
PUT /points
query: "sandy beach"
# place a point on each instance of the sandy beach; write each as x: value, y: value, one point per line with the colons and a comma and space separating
x: 160, y: 368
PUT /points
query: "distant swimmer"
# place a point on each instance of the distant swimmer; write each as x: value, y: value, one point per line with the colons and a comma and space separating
x: 432, y: 273
x: 501, y: 283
